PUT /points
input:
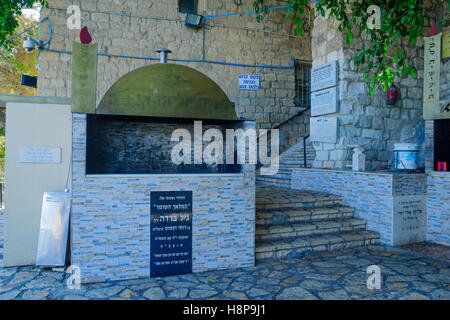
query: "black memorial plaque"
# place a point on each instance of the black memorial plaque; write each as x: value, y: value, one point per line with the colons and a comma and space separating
x: 170, y: 233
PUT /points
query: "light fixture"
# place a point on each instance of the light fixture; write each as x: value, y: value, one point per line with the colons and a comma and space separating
x: 193, y: 20
x: 30, y: 44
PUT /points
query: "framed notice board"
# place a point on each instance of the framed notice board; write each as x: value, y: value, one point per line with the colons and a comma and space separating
x: 170, y: 233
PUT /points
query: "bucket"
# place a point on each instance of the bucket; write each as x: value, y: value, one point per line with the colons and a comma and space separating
x: 405, y: 156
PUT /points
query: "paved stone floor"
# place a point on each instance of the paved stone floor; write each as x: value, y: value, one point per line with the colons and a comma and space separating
x: 336, y: 275
x: 429, y: 249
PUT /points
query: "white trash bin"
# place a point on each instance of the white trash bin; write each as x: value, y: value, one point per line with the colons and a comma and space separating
x: 405, y: 156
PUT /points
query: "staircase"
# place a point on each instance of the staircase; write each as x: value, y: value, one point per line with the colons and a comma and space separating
x: 296, y: 222
x: 290, y: 159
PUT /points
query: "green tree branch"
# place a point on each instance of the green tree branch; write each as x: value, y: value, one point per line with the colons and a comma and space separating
x: 399, y: 20
x: 9, y: 11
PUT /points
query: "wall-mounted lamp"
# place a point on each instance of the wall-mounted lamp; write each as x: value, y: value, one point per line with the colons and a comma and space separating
x: 193, y: 20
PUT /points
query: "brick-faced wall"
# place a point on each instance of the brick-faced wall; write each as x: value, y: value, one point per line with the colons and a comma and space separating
x: 438, y: 207
x: 110, y: 222
x: 371, y: 194
x: 236, y: 39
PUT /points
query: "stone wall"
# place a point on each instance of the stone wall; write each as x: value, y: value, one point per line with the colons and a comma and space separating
x: 234, y: 39
x: 438, y: 188
x: 365, y: 120
x: 371, y: 194
x: 110, y: 222
x: 438, y: 207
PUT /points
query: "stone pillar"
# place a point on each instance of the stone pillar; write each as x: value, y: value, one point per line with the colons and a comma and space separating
x: 84, y: 77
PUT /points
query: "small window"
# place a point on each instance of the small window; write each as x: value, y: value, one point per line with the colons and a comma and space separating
x: 187, y: 6
x: 302, y: 85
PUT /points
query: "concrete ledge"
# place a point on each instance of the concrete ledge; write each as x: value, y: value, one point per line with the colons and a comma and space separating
x: 442, y: 174
x: 167, y: 175
x: 9, y: 98
x: 381, y: 173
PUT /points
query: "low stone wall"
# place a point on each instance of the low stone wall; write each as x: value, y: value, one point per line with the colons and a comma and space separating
x: 438, y: 207
x: 371, y: 194
x: 110, y: 225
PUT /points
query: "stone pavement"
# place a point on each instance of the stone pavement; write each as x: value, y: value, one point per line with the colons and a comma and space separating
x: 429, y: 249
x: 335, y: 275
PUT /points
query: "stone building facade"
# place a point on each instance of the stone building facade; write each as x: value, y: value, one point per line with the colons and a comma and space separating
x: 236, y: 39
x: 137, y: 28
x: 365, y: 120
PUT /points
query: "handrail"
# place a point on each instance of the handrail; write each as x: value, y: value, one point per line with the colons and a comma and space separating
x: 304, y: 150
x: 268, y: 133
x: 295, y: 115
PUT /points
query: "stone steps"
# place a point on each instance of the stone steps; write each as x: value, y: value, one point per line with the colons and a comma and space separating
x: 295, y: 161
x: 290, y: 159
x: 277, y: 197
x: 303, y: 245
x: 292, y: 215
x: 273, y: 181
x: 295, y: 222
x: 276, y: 232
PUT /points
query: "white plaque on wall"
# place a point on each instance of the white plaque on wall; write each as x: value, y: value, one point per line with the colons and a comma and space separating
x: 324, y: 102
x: 40, y: 155
x: 323, y: 129
x: 324, y: 76
x: 409, y: 220
x: 248, y: 82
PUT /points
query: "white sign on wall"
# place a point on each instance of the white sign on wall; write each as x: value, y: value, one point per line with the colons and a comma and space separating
x: 324, y: 102
x: 323, y: 129
x: 40, y: 155
x: 409, y: 220
x: 248, y: 82
x: 324, y: 76
x: 431, y: 79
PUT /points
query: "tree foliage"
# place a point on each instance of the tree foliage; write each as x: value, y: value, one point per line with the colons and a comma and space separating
x: 16, y: 61
x: 10, y: 10
x: 399, y: 20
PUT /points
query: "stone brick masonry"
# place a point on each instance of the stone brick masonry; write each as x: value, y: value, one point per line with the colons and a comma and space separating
x: 371, y: 194
x: 236, y: 39
x: 110, y: 223
x: 438, y: 207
